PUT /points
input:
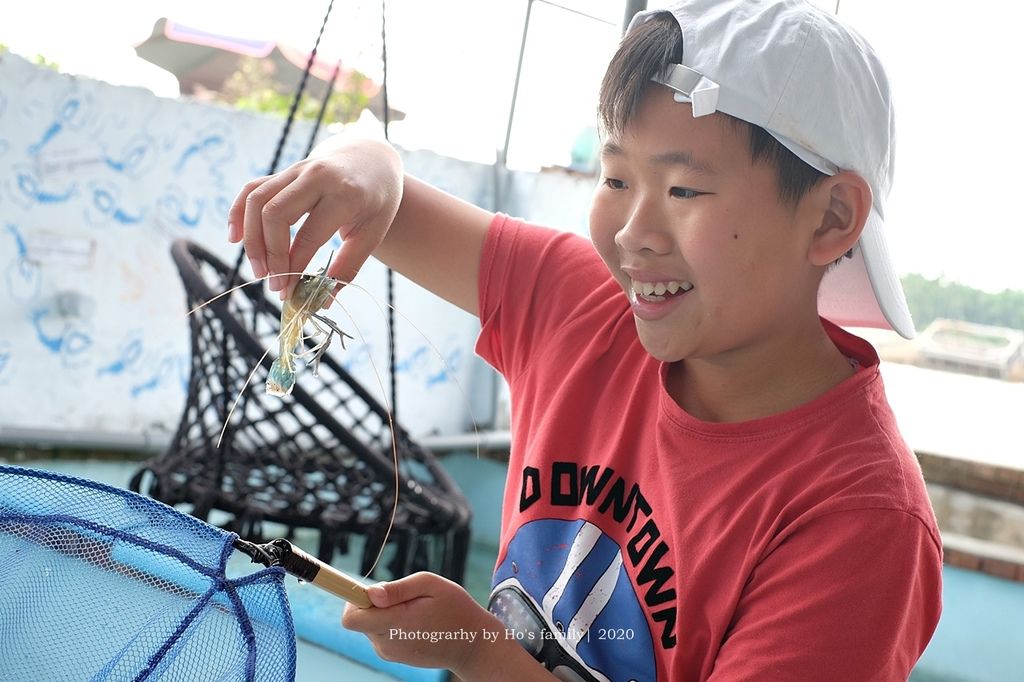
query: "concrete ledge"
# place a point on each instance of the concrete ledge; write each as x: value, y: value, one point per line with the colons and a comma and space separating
x: 1000, y: 482
x: 1000, y: 561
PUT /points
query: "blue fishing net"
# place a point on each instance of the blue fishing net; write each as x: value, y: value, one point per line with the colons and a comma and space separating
x: 97, y: 583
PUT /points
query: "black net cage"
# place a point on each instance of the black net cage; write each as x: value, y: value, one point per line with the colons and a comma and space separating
x: 322, y: 458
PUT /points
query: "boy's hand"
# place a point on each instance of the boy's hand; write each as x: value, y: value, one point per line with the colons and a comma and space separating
x: 352, y: 187
x: 410, y: 612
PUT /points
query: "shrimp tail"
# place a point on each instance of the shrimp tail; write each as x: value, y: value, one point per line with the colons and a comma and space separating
x: 311, y: 294
x: 281, y: 379
x: 282, y: 372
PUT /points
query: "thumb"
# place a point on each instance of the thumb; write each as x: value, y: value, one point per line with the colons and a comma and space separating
x: 378, y: 595
x: 355, y: 250
x: 395, y: 592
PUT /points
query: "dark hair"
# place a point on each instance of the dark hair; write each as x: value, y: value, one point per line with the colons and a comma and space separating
x: 644, y: 53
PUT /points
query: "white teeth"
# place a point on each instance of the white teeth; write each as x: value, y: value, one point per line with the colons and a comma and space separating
x: 660, y: 288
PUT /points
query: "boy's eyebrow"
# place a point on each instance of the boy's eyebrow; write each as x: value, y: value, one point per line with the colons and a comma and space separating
x: 670, y: 158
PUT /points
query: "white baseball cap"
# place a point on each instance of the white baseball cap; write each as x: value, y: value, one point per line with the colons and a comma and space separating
x: 818, y: 88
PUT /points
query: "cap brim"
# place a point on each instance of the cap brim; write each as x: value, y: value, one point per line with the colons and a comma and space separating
x: 865, y: 291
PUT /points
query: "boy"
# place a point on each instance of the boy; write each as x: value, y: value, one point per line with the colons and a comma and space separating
x: 706, y: 481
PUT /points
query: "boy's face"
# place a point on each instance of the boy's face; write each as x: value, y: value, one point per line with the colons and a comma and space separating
x: 682, y: 206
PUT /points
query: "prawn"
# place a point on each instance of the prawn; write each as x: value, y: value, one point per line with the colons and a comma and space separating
x: 310, y: 295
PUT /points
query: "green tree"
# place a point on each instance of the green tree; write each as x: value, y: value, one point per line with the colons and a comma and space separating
x: 253, y: 88
x: 930, y: 299
x: 38, y: 59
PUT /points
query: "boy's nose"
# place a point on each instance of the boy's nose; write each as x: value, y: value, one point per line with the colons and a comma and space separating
x: 644, y: 232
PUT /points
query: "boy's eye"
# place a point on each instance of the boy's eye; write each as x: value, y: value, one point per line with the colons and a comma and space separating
x: 684, y: 193
x: 613, y: 183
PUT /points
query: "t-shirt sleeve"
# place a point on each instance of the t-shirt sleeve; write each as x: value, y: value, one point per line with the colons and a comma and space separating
x: 532, y: 281
x: 852, y: 595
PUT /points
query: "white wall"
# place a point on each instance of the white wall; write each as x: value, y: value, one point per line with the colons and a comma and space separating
x: 96, y: 182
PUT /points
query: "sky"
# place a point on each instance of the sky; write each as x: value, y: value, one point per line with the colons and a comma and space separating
x: 452, y: 64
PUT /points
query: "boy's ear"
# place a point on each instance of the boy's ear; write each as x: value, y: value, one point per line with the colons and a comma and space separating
x: 846, y: 198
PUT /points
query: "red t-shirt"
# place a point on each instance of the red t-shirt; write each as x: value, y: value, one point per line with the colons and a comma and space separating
x: 640, y: 543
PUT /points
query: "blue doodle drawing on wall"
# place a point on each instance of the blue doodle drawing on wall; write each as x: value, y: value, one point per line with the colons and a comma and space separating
x: 213, y: 147
x: 129, y: 355
x: 174, y: 208
x: 292, y: 152
x: 418, y: 364
x: 132, y: 360
x: 23, y: 277
x: 26, y: 189
x: 408, y: 364
x: 137, y: 157
x: 72, y: 112
x: 354, y: 358
x: 69, y: 338
x: 222, y: 205
x: 5, y: 362
x: 169, y: 368
x: 106, y: 205
x: 447, y: 373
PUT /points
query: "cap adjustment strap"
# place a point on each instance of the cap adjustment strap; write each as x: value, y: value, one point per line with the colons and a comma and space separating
x: 701, y: 91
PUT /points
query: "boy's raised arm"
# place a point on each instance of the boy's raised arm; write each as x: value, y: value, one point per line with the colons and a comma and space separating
x: 436, y: 241
x: 358, y: 188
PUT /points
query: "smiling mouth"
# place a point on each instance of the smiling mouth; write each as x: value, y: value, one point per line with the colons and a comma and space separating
x: 659, y: 291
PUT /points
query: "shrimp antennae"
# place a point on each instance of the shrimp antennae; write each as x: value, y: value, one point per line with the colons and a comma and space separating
x: 394, y: 447
x: 437, y: 352
x: 233, y: 289
x: 391, y: 426
x: 334, y: 298
x: 248, y: 379
x: 319, y: 350
x: 238, y: 397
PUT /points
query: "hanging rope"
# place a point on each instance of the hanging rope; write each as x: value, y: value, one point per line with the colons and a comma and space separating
x: 287, y: 126
x: 392, y: 353
x: 323, y: 108
x: 298, y: 94
x: 233, y: 279
x: 392, y: 364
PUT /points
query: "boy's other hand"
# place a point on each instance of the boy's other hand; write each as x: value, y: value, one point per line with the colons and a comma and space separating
x: 352, y: 187
x: 428, y: 621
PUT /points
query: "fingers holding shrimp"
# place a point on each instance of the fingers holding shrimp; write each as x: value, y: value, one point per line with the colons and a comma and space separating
x: 236, y: 213
x: 352, y: 188
x: 264, y: 238
x: 314, y: 192
x: 344, y: 203
x: 256, y: 252
x: 319, y: 226
x: 364, y: 232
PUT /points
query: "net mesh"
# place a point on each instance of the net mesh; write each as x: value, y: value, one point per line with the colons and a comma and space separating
x: 97, y: 583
